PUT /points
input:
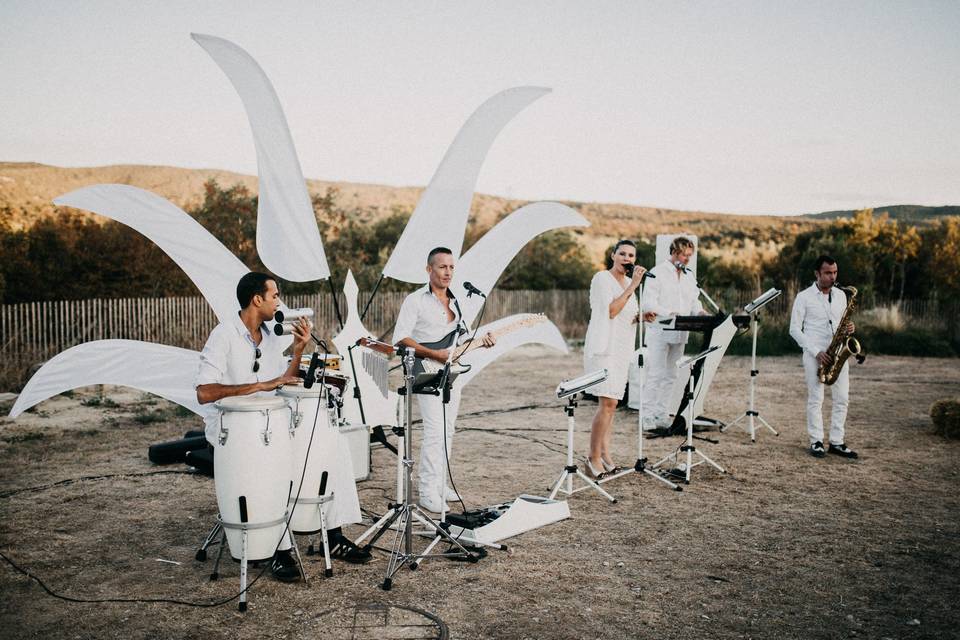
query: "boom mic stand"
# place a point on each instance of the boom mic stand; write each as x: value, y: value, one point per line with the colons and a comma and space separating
x: 751, y: 413
x: 406, y: 510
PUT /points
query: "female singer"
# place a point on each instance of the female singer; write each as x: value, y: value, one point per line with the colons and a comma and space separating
x: 609, y: 345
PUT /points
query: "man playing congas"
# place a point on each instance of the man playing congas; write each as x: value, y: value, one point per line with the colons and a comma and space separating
x: 242, y: 358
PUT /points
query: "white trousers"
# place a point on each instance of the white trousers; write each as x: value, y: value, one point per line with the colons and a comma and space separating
x: 839, y: 393
x: 433, y: 463
x: 660, y: 367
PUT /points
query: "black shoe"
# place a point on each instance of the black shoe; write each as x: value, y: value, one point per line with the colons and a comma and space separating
x: 346, y: 550
x: 284, y: 567
x: 816, y: 449
x: 842, y: 450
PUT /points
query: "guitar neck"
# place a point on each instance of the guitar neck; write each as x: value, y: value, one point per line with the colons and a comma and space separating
x: 510, y: 328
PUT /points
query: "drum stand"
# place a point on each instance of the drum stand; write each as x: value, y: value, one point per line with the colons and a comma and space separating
x: 751, y: 413
x: 401, y: 515
x: 688, y: 446
x: 571, y: 469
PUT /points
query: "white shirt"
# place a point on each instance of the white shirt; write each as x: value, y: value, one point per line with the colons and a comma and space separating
x: 423, y: 317
x: 671, y: 293
x: 227, y: 358
x: 814, y: 318
x: 606, y: 335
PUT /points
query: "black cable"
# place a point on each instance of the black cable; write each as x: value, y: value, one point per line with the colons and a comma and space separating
x: 69, y: 481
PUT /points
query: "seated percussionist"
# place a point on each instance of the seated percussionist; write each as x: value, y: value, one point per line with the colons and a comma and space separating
x: 241, y: 358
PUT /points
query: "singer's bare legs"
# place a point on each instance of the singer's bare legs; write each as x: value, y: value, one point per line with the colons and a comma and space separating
x: 601, y: 431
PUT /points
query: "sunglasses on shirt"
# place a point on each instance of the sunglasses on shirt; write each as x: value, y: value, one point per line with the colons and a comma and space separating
x: 256, y: 360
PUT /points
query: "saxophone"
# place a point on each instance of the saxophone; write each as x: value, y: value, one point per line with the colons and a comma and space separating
x: 843, y: 345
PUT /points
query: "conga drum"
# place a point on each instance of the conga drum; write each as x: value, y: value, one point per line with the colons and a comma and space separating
x: 329, y: 452
x: 253, y: 473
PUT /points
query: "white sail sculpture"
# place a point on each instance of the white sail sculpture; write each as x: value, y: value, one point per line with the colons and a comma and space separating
x: 440, y: 218
x: 288, y: 240
x: 289, y: 244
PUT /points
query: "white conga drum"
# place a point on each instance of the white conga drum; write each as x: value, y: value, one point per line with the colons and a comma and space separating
x: 328, y: 452
x: 252, y: 455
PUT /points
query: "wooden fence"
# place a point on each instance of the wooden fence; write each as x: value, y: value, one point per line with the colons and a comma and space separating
x: 34, y: 332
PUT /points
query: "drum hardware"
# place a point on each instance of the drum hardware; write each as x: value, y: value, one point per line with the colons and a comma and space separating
x: 401, y: 515
x: 688, y: 446
x: 751, y: 414
x: 571, y: 390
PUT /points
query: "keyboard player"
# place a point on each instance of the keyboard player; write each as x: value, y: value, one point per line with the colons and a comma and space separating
x: 674, y: 292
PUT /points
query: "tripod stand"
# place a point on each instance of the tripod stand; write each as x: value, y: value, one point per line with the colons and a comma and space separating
x: 402, y: 514
x: 688, y: 446
x: 570, y: 389
x: 751, y: 413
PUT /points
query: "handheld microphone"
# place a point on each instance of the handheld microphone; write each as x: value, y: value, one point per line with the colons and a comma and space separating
x: 629, y: 268
x: 472, y: 290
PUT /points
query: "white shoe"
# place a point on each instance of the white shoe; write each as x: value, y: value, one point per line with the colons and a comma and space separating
x: 649, y: 424
x: 452, y: 496
x: 433, y: 504
x: 662, y: 420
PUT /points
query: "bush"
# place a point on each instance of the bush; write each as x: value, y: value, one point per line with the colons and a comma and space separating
x: 946, y: 418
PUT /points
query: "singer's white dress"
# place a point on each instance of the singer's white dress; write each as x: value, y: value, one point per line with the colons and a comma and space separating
x: 609, y: 343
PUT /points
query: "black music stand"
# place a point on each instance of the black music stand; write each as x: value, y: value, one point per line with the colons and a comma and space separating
x: 751, y: 413
x: 688, y: 446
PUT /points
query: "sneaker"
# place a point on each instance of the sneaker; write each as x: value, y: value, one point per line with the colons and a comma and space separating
x: 452, y: 496
x: 816, y: 450
x: 432, y: 503
x: 284, y: 567
x: 649, y: 424
x: 842, y: 450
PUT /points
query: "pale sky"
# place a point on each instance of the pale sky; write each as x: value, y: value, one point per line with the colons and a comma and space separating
x: 736, y: 106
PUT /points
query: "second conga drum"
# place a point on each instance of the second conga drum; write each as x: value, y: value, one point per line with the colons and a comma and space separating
x: 310, y: 417
x: 252, y: 478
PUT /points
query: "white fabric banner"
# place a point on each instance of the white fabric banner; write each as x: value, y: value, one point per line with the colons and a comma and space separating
x: 165, y: 371
x: 440, y: 217
x: 485, y: 261
x: 288, y: 240
x: 211, y: 266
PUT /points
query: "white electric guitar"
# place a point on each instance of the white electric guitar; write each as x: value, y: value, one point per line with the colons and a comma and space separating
x: 427, y: 365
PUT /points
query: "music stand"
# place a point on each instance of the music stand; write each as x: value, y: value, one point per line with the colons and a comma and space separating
x: 688, y: 447
x: 751, y: 414
x: 407, y: 510
x: 571, y: 389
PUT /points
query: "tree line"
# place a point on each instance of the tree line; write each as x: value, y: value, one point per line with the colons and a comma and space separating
x: 72, y: 256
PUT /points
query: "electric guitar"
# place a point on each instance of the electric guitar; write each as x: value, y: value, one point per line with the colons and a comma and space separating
x: 428, y: 365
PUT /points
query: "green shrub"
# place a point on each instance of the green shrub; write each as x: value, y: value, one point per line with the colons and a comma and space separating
x: 946, y: 417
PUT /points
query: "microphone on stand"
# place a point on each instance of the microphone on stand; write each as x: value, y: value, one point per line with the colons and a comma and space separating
x: 472, y: 290
x: 681, y: 267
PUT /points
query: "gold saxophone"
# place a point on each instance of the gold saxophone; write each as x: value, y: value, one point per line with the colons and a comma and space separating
x: 843, y: 345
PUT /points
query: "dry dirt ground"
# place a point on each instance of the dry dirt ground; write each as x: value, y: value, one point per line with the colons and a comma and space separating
x: 783, y: 546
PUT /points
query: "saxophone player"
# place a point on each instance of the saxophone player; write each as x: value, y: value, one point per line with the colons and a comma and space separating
x: 816, y: 312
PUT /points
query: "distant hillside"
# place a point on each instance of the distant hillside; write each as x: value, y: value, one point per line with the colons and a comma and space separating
x: 909, y: 213
x: 27, y: 191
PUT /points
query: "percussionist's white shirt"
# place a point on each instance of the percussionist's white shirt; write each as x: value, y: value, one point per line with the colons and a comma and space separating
x: 423, y: 317
x: 668, y: 295
x: 227, y: 358
x: 814, y: 318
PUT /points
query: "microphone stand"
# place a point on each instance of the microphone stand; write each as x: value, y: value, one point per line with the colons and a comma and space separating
x: 640, y: 466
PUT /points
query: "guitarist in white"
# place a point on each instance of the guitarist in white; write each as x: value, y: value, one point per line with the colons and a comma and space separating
x: 431, y: 323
